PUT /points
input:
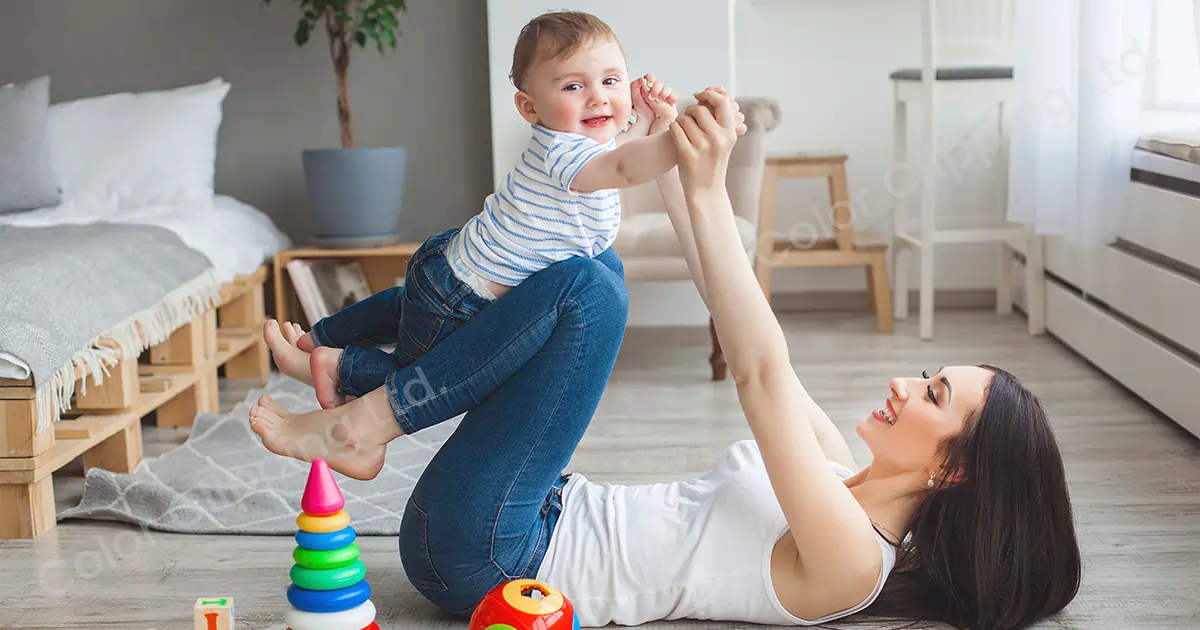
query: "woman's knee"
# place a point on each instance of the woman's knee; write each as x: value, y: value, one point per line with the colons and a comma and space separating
x: 605, y: 288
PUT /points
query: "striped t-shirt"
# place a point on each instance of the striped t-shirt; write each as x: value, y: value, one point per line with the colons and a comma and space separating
x: 535, y: 219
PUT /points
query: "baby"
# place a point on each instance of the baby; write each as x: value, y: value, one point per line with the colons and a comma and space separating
x: 593, y: 132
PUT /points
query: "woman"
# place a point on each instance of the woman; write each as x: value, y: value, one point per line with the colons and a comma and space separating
x: 962, y: 516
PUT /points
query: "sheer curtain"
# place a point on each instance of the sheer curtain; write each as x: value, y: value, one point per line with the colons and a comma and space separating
x: 1080, y: 68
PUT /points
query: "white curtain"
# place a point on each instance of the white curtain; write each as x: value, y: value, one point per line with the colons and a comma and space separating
x: 1079, y: 72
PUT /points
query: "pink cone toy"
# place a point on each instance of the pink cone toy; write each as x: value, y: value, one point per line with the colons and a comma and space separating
x: 321, y: 494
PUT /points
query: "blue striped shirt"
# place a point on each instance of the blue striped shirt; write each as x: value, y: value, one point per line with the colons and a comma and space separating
x: 535, y: 219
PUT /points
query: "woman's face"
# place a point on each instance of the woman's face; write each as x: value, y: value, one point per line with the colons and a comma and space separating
x: 919, y: 413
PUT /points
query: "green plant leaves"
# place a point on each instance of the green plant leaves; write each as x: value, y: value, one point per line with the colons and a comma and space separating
x: 361, y: 21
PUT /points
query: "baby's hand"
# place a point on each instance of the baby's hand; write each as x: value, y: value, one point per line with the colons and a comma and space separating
x: 655, y: 101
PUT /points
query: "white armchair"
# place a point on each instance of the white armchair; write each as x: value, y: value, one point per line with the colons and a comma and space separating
x: 647, y: 242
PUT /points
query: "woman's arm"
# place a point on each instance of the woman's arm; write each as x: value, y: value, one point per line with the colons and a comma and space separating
x: 671, y: 188
x: 837, y: 550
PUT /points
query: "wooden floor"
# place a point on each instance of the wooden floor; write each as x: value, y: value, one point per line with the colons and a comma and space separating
x: 1135, y: 478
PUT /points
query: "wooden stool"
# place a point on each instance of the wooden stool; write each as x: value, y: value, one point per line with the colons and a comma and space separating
x: 847, y: 248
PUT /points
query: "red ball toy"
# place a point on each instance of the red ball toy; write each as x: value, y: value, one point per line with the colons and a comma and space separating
x: 511, y: 607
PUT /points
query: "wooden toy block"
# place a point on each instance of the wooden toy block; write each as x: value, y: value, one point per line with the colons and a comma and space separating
x: 213, y: 613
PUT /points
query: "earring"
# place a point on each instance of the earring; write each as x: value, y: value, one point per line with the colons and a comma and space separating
x: 931, y: 482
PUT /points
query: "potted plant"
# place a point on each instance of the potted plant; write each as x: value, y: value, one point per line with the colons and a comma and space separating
x: 356, y: 192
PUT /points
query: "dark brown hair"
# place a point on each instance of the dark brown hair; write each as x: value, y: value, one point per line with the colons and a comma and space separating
x: 995, y: 547
x: 554, y: 35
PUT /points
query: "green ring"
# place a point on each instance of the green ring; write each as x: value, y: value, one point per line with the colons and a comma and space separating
x: 332, y: 559
x: 499, y: 626
x: 328, y: 579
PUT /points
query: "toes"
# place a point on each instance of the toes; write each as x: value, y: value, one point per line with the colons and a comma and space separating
x: 269, y: 403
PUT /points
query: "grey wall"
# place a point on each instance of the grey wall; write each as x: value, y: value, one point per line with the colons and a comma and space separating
x: 430, y: 94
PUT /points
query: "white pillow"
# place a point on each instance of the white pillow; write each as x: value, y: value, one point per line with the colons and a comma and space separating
x: 130, y: 149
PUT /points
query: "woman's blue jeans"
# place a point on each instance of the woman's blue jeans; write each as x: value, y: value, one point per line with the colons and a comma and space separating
x: 528, y: 371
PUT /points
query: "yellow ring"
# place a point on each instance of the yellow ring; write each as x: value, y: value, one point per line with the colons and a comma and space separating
x: 514, y: 596
x: 323, y: 524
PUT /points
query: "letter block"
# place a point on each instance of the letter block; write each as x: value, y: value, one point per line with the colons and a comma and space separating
x: 214, y: 613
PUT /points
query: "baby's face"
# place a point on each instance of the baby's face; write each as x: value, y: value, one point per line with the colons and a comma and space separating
x: 586, y: 93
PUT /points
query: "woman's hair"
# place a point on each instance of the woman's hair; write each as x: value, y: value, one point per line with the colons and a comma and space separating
x: 992, y: 546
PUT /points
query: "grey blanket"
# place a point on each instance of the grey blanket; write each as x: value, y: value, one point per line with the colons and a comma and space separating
x: 223, y: 481
x: 64, y: 287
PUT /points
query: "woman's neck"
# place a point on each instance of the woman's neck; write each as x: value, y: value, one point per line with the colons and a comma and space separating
x: 889, y: 496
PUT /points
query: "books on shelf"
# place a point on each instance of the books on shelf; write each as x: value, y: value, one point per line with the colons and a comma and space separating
x: 326, y: 286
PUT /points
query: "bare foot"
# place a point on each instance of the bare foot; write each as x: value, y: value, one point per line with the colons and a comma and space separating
x: 323, y: 364
x: 290, y: 359
x: 305, y: 341
x: 352, y: 438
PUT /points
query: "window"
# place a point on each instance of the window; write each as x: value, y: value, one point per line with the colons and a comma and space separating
x: 1174, y: 79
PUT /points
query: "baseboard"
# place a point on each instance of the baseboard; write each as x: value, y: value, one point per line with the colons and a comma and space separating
x: 812, y: 301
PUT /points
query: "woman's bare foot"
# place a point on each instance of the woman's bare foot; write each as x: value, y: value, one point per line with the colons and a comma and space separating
x: 323, y: 365
x: 291, y: 360
x: 352, y: 438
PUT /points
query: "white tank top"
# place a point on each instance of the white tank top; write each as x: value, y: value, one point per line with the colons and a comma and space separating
x: 696, y: 549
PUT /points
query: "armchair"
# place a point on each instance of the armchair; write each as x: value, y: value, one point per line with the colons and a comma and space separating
x: 647, y: 242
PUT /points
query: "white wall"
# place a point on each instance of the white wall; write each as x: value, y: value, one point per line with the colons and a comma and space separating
x: 828, y: 61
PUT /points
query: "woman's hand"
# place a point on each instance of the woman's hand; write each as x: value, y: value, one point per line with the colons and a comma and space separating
x: 704, y: 137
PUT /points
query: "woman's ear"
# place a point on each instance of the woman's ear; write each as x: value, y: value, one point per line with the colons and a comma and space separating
x: 525, y: 107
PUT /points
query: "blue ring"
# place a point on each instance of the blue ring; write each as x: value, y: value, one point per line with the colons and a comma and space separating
x: 329, y: 601
x: 326, y: 542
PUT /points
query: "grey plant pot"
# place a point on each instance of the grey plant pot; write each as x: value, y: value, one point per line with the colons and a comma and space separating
x: 357, y: 194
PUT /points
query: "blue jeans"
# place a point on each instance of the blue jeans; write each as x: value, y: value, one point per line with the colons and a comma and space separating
x: 431, y: 305
x: 528, y: 371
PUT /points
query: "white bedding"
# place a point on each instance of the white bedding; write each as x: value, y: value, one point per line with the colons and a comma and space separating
x: 237, y: 238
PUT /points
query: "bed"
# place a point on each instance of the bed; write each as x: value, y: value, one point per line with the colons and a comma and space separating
x: 128, y: 283
x: 235, y: 237
x: 1139, y: 317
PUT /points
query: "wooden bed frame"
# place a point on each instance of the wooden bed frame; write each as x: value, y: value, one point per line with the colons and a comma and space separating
x: 174, y: 380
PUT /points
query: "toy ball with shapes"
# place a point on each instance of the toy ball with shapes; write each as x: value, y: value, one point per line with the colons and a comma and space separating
x: 511, y: 606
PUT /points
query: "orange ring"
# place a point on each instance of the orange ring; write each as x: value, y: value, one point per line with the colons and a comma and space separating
x: 323, y: 524
x: 514, y: 595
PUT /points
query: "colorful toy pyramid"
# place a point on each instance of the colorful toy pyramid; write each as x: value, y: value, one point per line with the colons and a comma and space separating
x: 329, y: 589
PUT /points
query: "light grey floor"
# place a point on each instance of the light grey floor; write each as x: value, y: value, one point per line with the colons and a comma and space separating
x: 1135, y: 478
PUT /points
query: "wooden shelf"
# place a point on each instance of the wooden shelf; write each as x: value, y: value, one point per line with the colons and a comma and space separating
x: 381, y: 265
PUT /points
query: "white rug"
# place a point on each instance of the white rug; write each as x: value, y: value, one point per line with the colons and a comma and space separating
x: 223, y: 481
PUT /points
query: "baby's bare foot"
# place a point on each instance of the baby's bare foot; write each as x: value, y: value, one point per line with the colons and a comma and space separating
x: 305, y: 341
x: 323, y: 364
x: 352, y: 438
x: 290, y: 359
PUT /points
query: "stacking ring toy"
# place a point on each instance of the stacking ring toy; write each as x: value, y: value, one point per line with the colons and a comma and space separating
x: 329, y: 601
x: 328, y: 579
x: 323, y: 524
x: 331, y: 559
x: 359, y: 618
x: 326, y: 542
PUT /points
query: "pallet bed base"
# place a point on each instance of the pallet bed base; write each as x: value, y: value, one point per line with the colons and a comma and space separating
x: 174, y: 381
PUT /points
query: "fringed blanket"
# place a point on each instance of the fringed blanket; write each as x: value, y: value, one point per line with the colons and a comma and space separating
x: 66, y: 289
